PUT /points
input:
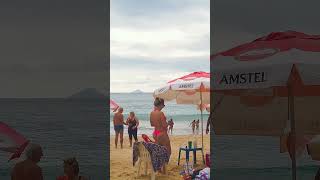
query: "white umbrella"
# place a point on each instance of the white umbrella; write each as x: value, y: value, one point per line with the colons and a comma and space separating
x: 193, y: 88
x: 281, y: 64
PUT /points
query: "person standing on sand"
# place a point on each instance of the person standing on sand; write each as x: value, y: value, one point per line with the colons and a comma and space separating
x: 133, y: 123
x: 208, y: 123
x: 28, y: 169
x: 170, y: 123
x: 159, y: 122
x: 197, y: 126
x: 193, y: 125
x: 118, y: 126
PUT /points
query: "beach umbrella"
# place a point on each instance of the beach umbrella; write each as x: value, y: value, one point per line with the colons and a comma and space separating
x: 11, y: 141
x: 264, y: 72
x: 193, y: 88
x: 113, y: 105
x: 204, y: 107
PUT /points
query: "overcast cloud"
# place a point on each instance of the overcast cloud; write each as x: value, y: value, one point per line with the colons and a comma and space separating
x: 154, y: 41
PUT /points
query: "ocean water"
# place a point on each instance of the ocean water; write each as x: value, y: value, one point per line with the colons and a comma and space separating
x: 142, y: 105
x: 64, y: 129
x: 234, y: 157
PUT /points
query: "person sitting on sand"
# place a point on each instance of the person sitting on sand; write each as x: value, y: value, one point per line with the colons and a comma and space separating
x: 71, y: 170
x: 28, y: 169
x: 193, y: 125
x: 170, y: 124
x: 118, y: 126
x: 158, y: 121
x: 133, y: 124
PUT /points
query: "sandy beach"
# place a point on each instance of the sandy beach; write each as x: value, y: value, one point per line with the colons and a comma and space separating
x: 121, y: 159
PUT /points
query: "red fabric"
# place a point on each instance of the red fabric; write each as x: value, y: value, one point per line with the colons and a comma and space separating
x: 192, y: 76
x: 146, y: 138
x: 113, y: 105
x: 275, y: 42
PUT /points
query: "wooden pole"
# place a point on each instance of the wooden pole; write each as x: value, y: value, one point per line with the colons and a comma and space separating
x: 293, y: 133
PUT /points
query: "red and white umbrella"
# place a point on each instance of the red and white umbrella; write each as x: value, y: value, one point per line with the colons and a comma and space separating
x: 204, y: 107
x: 187, y: 89
x: 279, y: 65
x: 113, y: 105
x: 193, y: 88
x: 11, y: 141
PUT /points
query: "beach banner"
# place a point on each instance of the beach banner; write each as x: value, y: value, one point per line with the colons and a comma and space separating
x: 11, y: 141
x: 234, y: 117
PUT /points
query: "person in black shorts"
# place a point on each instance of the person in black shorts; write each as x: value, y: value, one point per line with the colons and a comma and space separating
x: 133, y: 124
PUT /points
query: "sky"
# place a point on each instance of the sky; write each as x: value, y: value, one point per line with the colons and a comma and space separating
x: 52, y: 48
x: 56, y: 48
x: 152, y: 42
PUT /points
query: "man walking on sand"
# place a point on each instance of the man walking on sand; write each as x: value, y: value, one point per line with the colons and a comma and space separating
x: 28, y: 169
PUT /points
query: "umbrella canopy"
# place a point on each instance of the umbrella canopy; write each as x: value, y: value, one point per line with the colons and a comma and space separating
x: 113, y: 106
x: 278, y: 71
x: 204, y: 107
x: 186, y: 89
x: 193, y: 88
x: 11, y: 141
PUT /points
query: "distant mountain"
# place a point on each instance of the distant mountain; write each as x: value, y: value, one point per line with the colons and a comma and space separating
x: 137, y: 92
x: 89, y: 93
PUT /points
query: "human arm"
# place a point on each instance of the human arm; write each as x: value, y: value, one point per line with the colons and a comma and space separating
x: 163, y: 120
x: 151, y: 120
x: 137, y: 125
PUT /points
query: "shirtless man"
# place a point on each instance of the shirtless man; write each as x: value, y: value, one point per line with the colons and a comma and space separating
x: 118, y: 126
x: 159, y: 122
x: 28, y: 169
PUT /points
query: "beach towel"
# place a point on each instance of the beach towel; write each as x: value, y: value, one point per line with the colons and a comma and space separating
x: 159, y: 155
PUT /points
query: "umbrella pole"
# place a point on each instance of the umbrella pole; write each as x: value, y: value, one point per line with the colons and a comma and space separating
x: 201, y: 119
x: 293, y: 134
